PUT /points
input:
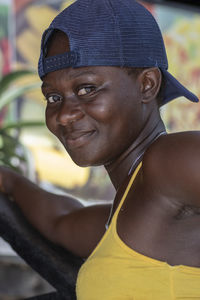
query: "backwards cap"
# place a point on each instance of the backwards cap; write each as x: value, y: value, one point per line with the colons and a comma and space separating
x: 111, y: 33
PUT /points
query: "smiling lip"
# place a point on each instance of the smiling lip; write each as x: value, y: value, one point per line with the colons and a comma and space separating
x: 78, y: 139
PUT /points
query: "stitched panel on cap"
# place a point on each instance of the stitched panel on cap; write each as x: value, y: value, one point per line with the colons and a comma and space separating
x: 65, y: 60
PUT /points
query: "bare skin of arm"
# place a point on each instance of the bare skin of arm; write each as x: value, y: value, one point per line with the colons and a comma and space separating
x: 61, y: 219
x: 172, y: 167
x: 161, y: 216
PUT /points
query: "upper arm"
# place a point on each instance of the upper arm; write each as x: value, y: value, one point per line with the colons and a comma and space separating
x: 60, y: 218
x: 81, y: 230
x: 172, y: 167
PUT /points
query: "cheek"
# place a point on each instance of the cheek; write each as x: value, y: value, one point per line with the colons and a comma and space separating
x: 100, y: 110
x: 50, y: 120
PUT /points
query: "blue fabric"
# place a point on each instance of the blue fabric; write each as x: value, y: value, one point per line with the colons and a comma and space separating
x: 111, y: 33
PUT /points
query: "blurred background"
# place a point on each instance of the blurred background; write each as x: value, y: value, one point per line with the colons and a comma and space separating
x: 25, y: 143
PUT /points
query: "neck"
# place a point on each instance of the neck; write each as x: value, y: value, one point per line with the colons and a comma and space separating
x: 127, y: 162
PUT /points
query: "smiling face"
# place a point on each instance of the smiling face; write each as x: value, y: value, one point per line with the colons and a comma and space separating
x: 96, y: 112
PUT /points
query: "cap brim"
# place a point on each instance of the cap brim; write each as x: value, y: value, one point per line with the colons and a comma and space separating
x: 174, y: 89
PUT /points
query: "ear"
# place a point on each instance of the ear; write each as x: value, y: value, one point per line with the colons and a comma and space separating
x: 150, y: 82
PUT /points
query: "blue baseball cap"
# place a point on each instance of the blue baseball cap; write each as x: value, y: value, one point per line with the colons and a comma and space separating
x: 111, y: 33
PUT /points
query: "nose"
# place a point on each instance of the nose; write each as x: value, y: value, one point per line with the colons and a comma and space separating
x: 68, y: 113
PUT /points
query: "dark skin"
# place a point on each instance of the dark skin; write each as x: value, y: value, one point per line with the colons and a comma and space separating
x: 103, y: 116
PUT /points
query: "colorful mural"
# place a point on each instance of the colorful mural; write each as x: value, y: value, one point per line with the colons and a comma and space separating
x: 5, y: 38
x: 183, y: 48
x: 32, y: 18
x: 5, y: 44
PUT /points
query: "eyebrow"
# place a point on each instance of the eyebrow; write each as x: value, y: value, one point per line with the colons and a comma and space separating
x: 80, y: 73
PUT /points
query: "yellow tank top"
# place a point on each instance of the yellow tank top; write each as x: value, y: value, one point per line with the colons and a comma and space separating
x: 116, y: 272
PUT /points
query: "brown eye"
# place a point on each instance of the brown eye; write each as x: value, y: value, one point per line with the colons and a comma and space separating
x: 53, y: 98
x: 86, y: 90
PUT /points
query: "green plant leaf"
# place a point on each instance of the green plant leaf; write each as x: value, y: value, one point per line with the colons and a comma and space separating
x: 21, y: 124
x: 11, y: 77
x: 13, y: 93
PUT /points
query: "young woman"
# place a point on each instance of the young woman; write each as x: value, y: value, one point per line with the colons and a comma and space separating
x: 104, y: 71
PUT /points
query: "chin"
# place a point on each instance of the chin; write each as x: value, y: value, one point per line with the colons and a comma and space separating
x: 80, y: 160
x: 86, y: 160
x: 82, y: 164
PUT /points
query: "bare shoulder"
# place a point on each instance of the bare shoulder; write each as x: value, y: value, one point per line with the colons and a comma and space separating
x: 172, y: 164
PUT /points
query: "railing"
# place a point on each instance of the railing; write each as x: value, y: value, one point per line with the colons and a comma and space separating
x: 53, y: 263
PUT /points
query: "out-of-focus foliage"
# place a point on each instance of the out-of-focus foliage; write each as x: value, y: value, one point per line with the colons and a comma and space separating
x: 12, y: 152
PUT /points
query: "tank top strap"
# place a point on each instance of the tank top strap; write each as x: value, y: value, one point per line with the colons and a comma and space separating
x: 126, y: 191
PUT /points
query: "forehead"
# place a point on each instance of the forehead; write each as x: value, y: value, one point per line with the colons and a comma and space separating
x: 90, y: 72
